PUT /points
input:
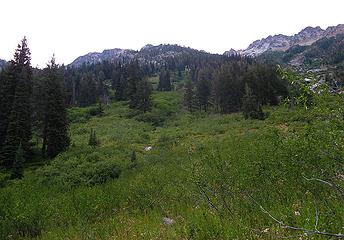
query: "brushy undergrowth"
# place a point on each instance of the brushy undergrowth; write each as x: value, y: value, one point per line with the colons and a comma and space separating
x: 212, y: 174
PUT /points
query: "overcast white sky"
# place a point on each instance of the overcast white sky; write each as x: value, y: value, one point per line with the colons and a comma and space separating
x: 71, y: 28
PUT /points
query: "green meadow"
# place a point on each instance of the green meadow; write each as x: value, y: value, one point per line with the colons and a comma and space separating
x: 216, y: 176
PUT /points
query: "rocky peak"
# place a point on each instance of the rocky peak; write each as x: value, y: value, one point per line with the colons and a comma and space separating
x: 149, y: 53
x: 311, y: 31
x: 333, y: 31
x: 230, y: 53
x: 281, y: 42
x: 307, y: 36
x: 147, y: 46
x: 107, y: 55
x: 271, y: 43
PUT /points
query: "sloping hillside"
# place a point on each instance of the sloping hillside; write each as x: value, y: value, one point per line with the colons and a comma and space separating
x: 197, y: 176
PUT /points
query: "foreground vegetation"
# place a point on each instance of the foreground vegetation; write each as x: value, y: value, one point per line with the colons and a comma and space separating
x: 217, y: 176
x: 171, y: 157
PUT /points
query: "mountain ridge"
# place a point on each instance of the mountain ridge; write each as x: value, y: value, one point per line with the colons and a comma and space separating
x: 281, y: 42
x: 160, y: 53
x: 148, y: 53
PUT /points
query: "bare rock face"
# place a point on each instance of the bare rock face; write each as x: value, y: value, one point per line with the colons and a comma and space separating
x: 272, y: 43
x: 280, y: 42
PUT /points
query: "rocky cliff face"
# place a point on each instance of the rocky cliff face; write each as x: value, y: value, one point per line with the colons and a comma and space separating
x: 281, y: 42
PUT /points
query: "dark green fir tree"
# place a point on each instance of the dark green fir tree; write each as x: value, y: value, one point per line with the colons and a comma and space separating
x: 93, y: 140
x: 189, y: 96
x: 164, y: 81
x: 55, y: 133
x: 134, y: 77
x: 17, y: 90
x: 143, y: 96
x: 251, y: 107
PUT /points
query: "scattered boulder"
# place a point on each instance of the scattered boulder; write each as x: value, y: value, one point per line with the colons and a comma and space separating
x: 168, y: 221
x: 148, y: 148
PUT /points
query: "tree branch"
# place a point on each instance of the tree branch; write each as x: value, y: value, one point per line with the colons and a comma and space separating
x: 337, y: 235
x: 334, y: 186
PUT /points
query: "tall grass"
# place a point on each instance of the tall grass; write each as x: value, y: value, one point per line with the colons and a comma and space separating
x: 210, y: 173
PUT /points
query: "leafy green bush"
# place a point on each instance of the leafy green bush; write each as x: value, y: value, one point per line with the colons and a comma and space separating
x: 96, y: 110
x: 82, y: 115
x: 250, y: 106
x: 93, y: 141
x: 164, y: 106
x: 88, y: 169
x: 4, y: 178
x: 78, y: 115
x: 155, y: 117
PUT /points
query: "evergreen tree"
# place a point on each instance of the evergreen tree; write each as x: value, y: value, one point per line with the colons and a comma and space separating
x: 120, y: 88
x: 250, y: 106
x: 134, y: 77
x: 189, y: 96
x: 18, y: 169
x: 203, y: 88
x: 101, y: 90
x: 115, y: 77
x: 93, y: 140
x: 7, y: 90
x: 100, y: 109
x: 88, y: 91
x: 228, y: 86
x: 164, y: 81
x: 17, y: 129
x: 133, y: 159
x: 55, y: 133
x: 143, y: 95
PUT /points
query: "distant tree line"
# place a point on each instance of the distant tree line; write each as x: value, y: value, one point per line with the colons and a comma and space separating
x: 108, y: 80
x: 226, y: 87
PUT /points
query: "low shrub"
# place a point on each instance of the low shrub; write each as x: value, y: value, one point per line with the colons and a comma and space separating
x: 4, y: 178
x: 88, y: 169
x: 78, y: 115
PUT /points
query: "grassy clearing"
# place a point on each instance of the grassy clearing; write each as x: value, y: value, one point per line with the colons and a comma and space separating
x: 207, y: 172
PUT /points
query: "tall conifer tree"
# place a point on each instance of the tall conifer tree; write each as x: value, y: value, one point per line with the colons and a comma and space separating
x: 143, y: 95
x: 134, y: 77
x: 189, y: 96
x: 55, y: 133
x: 17, y: 128
x: 164, y: 81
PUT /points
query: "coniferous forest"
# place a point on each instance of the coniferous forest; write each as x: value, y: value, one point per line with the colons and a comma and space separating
x: 189, y: 146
